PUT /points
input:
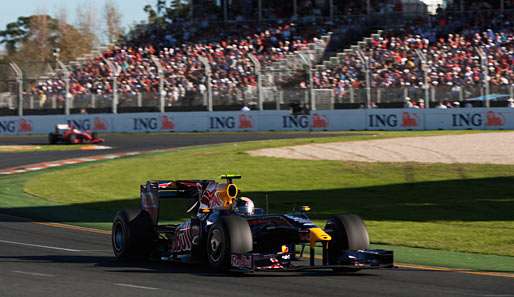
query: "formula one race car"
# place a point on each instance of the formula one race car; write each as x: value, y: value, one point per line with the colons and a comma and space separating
x: 64, y: 133
x: 228, y: 233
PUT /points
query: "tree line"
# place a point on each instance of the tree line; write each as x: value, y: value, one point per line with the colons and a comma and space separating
x: 35, y: 41
x: 35, y: 38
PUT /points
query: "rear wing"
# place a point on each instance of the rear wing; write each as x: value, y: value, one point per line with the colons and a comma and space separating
x: 191, y: 189
x: 154, y: 190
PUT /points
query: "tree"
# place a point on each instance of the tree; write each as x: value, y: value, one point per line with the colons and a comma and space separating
x: 30, y: 37
x: 112, y: 21
x: 86, y: 25
x: 33, y: 39
x: 178, y: 8
x: 70, y: 41
x: 152, y: 14
x: 161, y: 6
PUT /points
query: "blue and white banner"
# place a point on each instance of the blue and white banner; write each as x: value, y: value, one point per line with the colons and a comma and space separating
x: 329, y: 120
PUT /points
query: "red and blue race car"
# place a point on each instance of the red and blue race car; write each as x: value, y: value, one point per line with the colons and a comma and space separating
x: 228, y: 233
x: 66, y: 134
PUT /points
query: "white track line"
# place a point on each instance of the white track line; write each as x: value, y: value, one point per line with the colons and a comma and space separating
x: 134, y: 286
x: 33, y: 273
x: 40, y: 246
x: 86, y: 159
x: 53, y: 165
x: 109, y: 157
x: 34, y: 168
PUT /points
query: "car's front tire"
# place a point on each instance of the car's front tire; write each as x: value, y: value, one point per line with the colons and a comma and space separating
x: 230, y: 235
x: 348, y: 232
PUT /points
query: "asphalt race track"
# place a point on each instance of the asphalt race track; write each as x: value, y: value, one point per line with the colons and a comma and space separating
x: 129, y: 143
x: 42, y: 260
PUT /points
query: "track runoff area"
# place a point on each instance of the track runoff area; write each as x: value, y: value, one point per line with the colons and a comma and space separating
x: 52, y: 259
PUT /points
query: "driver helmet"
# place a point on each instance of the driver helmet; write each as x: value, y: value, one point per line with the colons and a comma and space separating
x: 244, y: 206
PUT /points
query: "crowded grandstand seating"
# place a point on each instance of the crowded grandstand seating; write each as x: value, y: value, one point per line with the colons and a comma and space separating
x: 453, y: 59
x: 232, y: 69
x: 449, y: 43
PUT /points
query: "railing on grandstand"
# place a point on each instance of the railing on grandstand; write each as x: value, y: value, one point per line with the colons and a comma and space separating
x: 274, y: 98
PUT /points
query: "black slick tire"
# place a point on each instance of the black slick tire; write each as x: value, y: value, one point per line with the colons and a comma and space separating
x: 230, y: 235
x: 348, y: 232
x: 133, y: 234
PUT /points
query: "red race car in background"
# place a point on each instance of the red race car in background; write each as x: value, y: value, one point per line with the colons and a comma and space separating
x: 66, y: 134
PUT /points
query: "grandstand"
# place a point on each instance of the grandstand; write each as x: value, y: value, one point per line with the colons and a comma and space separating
x: 353, y: 55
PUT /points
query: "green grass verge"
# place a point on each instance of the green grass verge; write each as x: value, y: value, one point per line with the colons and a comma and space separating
x: 450, y: 259
x: 461, y: 209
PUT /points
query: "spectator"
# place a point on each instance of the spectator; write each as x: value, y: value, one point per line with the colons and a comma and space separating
x: 408, y: 103
x: 441, y: 106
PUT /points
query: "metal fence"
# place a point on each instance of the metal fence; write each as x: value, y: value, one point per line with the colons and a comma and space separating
x: 272, y: 97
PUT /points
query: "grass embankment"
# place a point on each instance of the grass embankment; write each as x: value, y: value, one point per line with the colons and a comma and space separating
x: 461, y: 208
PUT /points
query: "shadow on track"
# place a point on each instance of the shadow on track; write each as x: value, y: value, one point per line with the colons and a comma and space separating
x: 112, y: 265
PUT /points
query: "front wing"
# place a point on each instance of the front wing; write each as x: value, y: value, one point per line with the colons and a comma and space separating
x: 350, y: 260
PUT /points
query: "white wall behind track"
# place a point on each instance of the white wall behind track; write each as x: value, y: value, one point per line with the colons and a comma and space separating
x: 331, y: 120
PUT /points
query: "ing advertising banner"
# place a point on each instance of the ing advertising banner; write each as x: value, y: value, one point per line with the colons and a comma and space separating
x: 470, y: 119
x: 395, y: 119
x: 325, y: 120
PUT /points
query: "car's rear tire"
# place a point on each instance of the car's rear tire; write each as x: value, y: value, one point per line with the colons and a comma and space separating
x: 348, y: 232
x: 230, y: 235
x: 94, y: 135
x: 133, y: 234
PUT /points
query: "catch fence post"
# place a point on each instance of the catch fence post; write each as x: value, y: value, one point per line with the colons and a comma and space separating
x: 308, y: 67
x: 485, y: 74
x: 258, y: 75
x: 115, y: 72
x: 160, y: 73
x: 365, y: 61
x: 208, y: 73
x: 19, y: 80
x: 424, y: 69
x: 67, y: 95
